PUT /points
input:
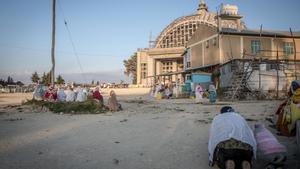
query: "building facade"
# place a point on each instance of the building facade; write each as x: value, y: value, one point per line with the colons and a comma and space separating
x: 205, y: 42
x: 164, y: 62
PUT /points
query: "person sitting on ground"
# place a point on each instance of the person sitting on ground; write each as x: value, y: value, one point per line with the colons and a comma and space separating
x: 38, y: 93
x: 81, y: 95
x: 71, y: 95
x: 231, y: 142
x: 97, y: 96
x: 85, y: 91
x: 212, y: 94
x: 113, y: 104
x: 61, y: 96
x: 289, y: 115
x: 50, y: 94
x: 288, y: 112
x: 158, y: 88
x: 168, y: 92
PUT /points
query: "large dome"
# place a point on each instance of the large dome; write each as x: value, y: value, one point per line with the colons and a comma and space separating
x: 181, y: 30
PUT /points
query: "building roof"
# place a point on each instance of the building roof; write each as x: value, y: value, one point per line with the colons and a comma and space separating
x: 181, y: 30
x: 257, y: 32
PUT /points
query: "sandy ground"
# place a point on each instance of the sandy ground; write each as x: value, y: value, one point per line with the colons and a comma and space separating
x: 13, y: 98
x: 148, y: 134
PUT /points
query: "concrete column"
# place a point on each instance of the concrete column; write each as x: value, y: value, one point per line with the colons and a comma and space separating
x: 157, y: 67
x: 242, y: 46
x: 203, y: 53
x: 273, y: 54
x: 138, y: 71
x: 220, y: 50
x: 173, y: 78
x: 150, y: 69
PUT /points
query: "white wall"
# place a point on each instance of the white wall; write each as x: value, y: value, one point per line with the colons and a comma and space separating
x: 268, y: 78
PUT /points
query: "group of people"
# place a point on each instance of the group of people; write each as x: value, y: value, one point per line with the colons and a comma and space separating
x: 59, y: 93
x: 169, y: 90
x: 163, y: 91
x: 211, y: 93
x: 80, y: 94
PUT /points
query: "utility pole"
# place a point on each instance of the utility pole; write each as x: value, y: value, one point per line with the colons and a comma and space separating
x: 295, y: 54
x: 53, y: 44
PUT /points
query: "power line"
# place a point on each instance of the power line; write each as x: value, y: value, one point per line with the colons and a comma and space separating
x: 72, y: 43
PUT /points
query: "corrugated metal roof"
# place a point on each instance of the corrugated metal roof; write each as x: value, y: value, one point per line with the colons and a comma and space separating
x: 256, y: 32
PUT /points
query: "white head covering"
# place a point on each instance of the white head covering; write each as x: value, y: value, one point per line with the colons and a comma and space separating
x: 61, y: 96
x: 70, y: 96
x: 229, y: 125
x: 81, y: 96
x: 212, y: 88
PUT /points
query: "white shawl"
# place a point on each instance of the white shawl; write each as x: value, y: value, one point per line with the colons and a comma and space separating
x: 229, y: 125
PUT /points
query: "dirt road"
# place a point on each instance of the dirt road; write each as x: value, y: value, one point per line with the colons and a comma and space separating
x: 148, y: 134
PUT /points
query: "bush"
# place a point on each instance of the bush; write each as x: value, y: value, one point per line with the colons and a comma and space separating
x: 87, y: 107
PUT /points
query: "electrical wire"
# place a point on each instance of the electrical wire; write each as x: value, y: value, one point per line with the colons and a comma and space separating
x: 72, y: 42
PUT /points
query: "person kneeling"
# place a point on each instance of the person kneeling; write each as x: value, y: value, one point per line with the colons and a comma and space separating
x: 232, y: 144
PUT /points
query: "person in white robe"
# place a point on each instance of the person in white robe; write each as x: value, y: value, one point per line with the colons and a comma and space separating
x: 199, y: 93
x: 158, y: 89
x: 61, y: 96
x: 70, y: 95
x: 81, y: 95
x: 231, y: 141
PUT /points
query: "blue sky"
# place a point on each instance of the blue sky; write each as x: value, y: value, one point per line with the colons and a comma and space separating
x: 105, y: 32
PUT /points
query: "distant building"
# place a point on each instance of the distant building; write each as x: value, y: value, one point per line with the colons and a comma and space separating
x: 164, y: 62
x: 253, y: 60
x: 207, y: 41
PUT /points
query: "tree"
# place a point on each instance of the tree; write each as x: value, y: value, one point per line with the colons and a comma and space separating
x: 10, y: 80
x: 46, y: 78
x: 60, y: 80
x: 3, y: 82
x: 35, y: 77
x: 130, y: 67
x: 93, y: 82
x: 215, y: 77
x: 43, y: 78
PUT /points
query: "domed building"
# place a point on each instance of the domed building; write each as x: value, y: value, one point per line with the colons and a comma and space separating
x: 164, y: 62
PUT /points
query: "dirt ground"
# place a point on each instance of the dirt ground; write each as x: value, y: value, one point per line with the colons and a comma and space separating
x: 147, y: 134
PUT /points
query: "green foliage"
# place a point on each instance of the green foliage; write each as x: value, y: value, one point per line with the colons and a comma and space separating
x: 215, y: 77
x: 60, y: 80
x: 35, y: 77
x: 46, y: 78
x: 3, y: 82
x: 215, y: 74
x: 130, y: 67
x: 87, y: 107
